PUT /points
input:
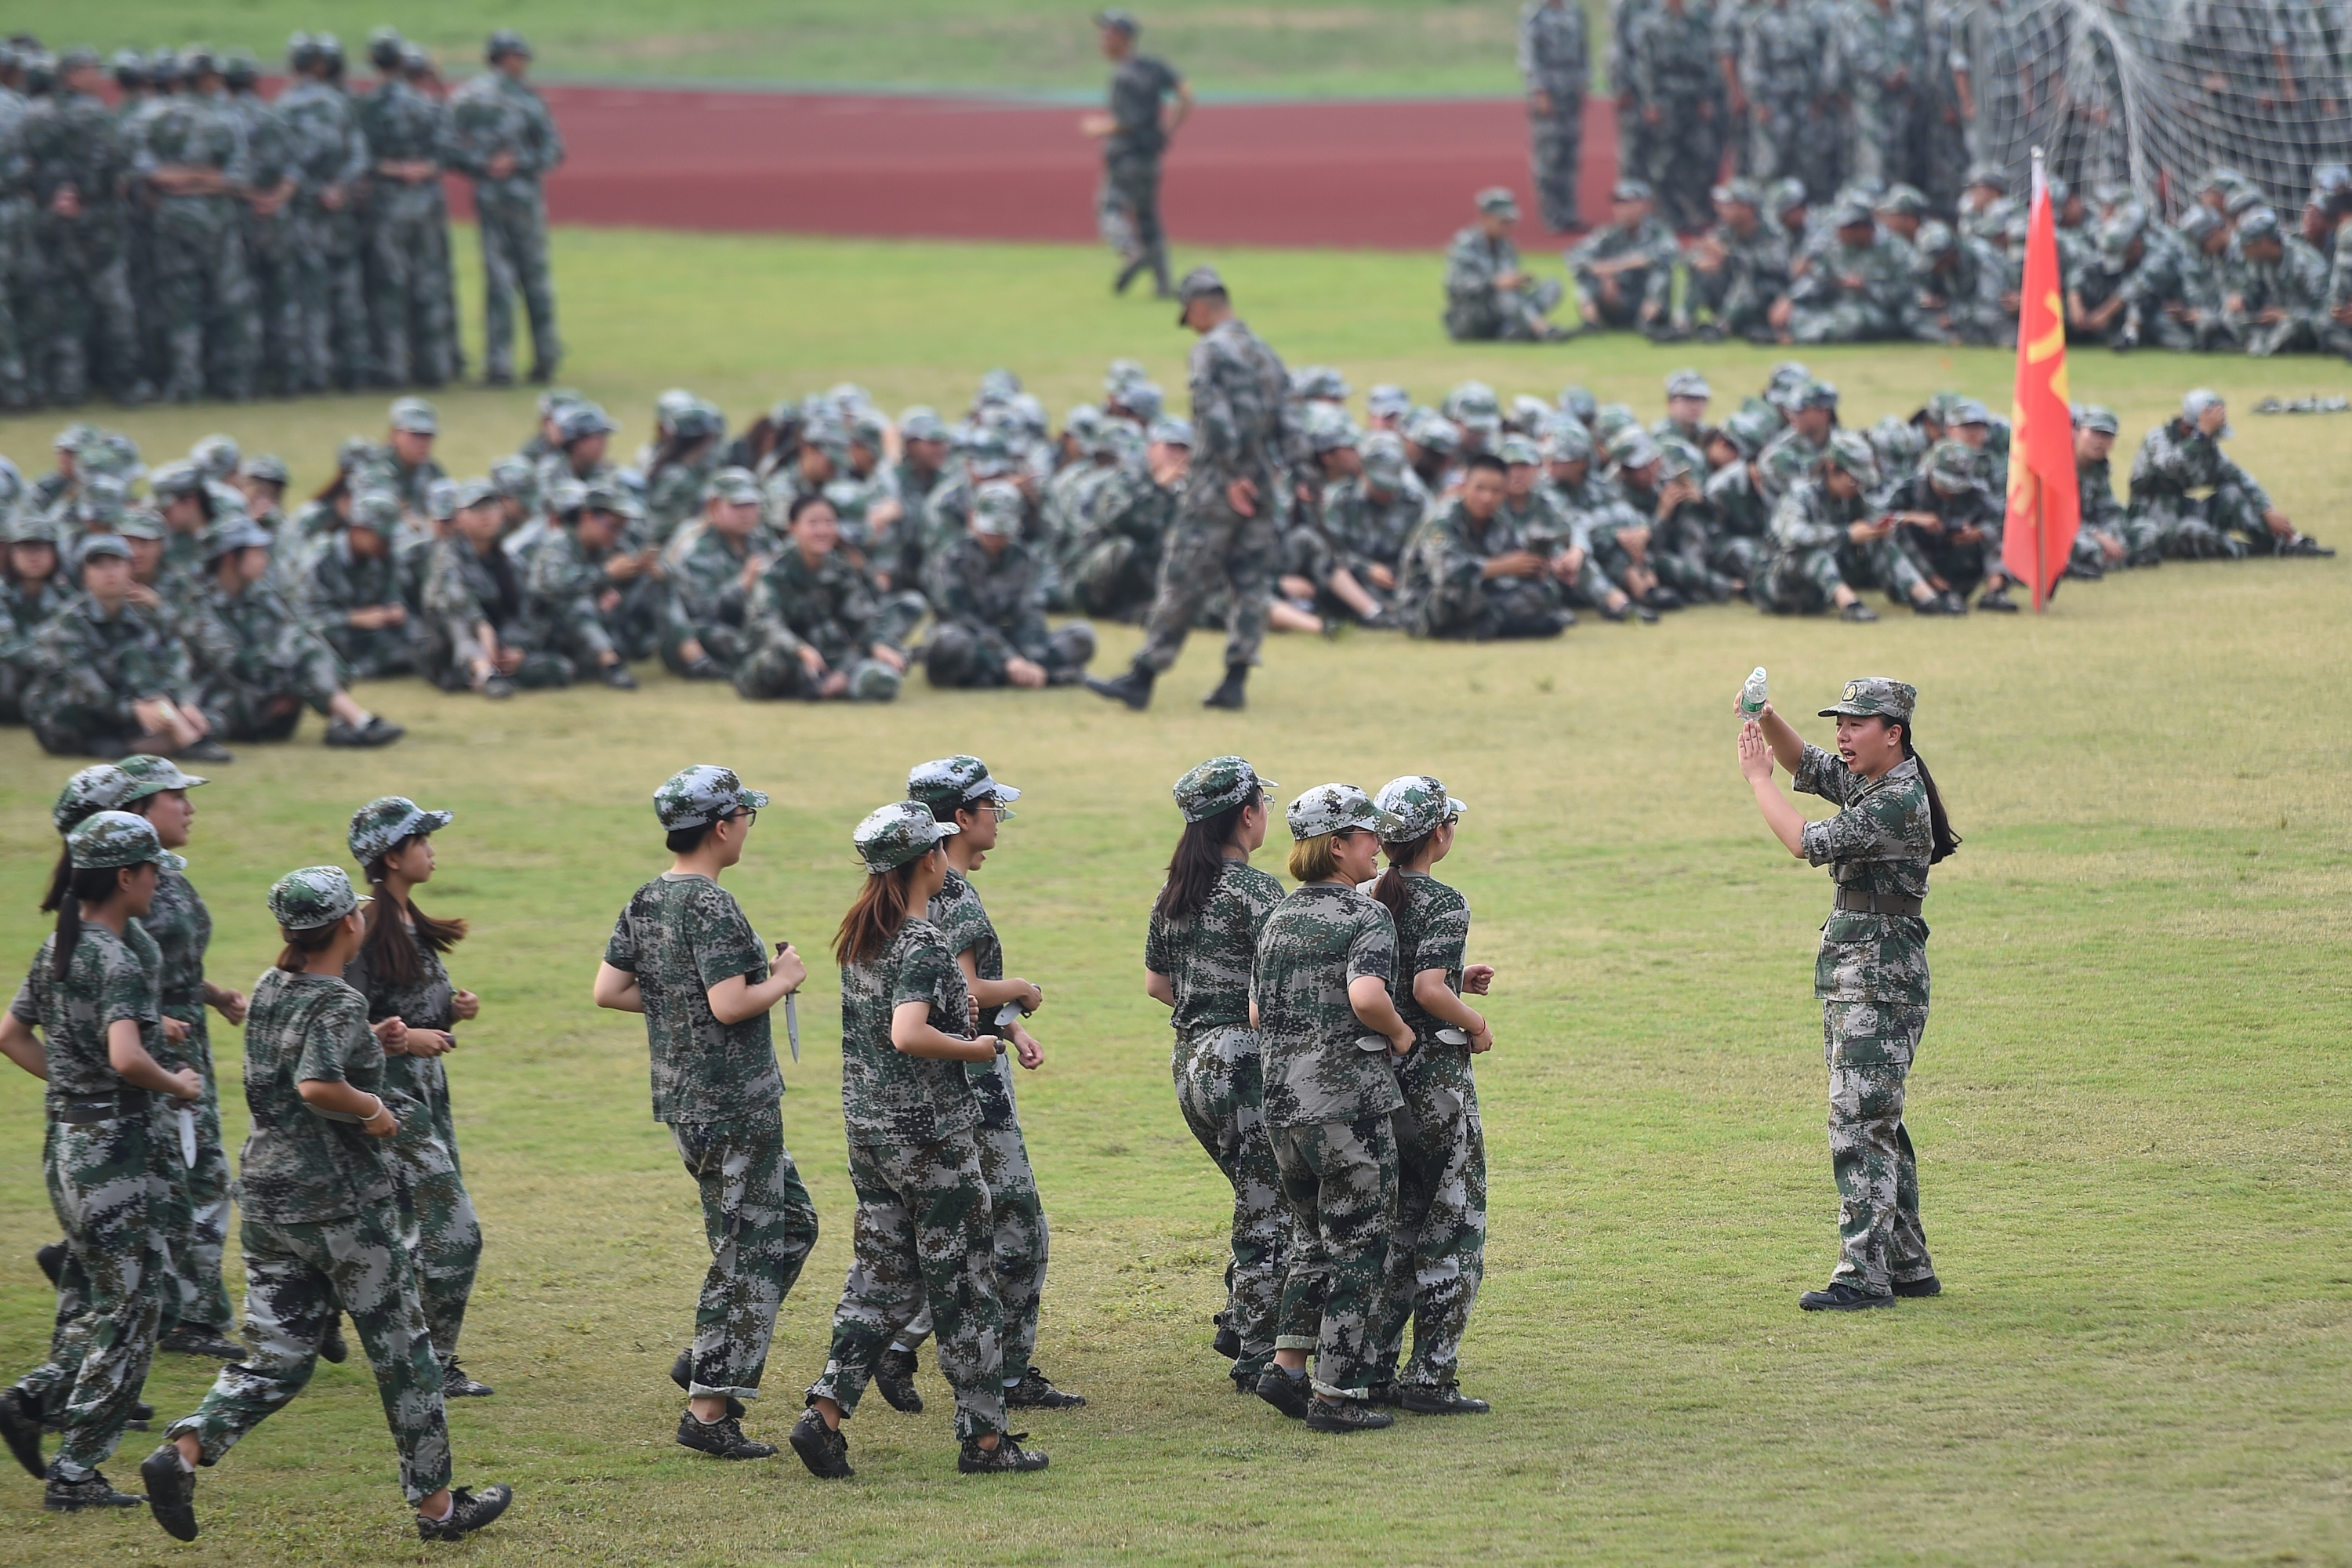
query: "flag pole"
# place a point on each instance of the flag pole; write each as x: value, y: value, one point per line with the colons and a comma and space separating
x: 2041, y: 512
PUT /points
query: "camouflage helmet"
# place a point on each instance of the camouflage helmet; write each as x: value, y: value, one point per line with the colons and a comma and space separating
x: 169, y: 482
x: 1179, y: 433
x: 102, y: 498
x: 1218, y: 786
x: 1382, y: 453
x: 922, y: 423
x: 1388, y: 400
x: 1849, y: 452
x: 1951, y: 468
x: 151, y: 774
x: 313, y: 897
x: 1529, y: 415
x: 217, y: 456
x: 1874, y: 697
x: 1472, y: 404
x: 702, y: 795
x: 102, y: 788
x: 997, y: 385
x: 1578, y: 401
x: 1935, y: 241
x: 376, y: 510
x: 578, y: 421
x: 130, y: 70
x: 504, y: 42
x: 896, y: 833
x: 996, y: 509
x: 951, y: 784
x: 1567, y: 441
x: 1334, y: 808
x: 111, y: 839
x: 2096, y: 417
x: 385, y: 823
x: 1418, y: 807
x: 266, y: 468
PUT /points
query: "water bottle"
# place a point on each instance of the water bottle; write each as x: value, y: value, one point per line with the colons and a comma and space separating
x: 1752, y: 695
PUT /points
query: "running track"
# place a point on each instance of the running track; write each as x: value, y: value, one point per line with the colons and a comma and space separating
x: 1386, y: 174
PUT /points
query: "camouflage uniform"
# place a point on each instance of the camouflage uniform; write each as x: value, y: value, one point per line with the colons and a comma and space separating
x: 463, y: 591
x: 341, y: 581
x: 90, y: 317
x: 703, y: 570
x: 1814, y: 553
x: 2176, y: 459
x: 1875, y: 48
x: 20, y: 257
x: 1960, y: 567
x: 2296, y: 283
x: 1872, y: 978
x: 831, y: 607
x: 90, y: 667
x: 1674, y: 69
x: 1114, y: 551
x: 323, y: 1227
x: 1783, y: 65
x: 1827, y: 309
x: 1366, y: 521
x: 718, y: 1086
x: 331, y: 288
x: 1555, y: 59
x: 1329, y: 1105
x: 1649, y: 285
x: 1242, y: 428
x: 408, y: 239
x: 1221, y: 1090
x: 257, y: 665
x: 991, y: 610
x: 564, y: 627
x: 489, y: 115
x: 1446, y: 595
x: 1475, y: 307
x: 274, y: 320
x: 201, y: 297
x: 1128, y: 206
x: 1737, y: 295
x: 1439, y: 1255
x: 181, y: 928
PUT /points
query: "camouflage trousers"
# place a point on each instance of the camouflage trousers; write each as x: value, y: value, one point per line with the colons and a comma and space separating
x: 961, y: 655
x: 1683, y: 153
x: 761, y: 1224
x: 331, y: 300
x: 512, y: 215
x: 1509, y: 315
x: 438, y: 1226
x: 20, y: 304
x: 2296, y: 334
x: 1805, y: 582
x: 90, y: 316
x: 1340, y: 1181
x: 407, y: 280
x: 374, y: 653
x: 773, y: 669
x: 1017, y: 1252
x: 922, y: 1233
x: 201, y: 298
x: 1212, y: 547
x: 2224, y: 525
x: 274, y: 323
x: 1555, y: 153
x: 1878, y: 140
x: 1127, y: 212
x: 1221, y: 1090
x: 103, y: 1187
x: 1438, y: 1255
x: 1481, y: 610
x: 297, y: 1278
x: 1112, y: 579
x: 1634, y: 287
x: 68, y: 708
x: 272, y: 710
x: 1844, y: 322
x: 1869, y: 1047
x: 1727, y: 297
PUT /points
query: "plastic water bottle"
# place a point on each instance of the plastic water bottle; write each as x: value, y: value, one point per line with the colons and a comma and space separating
x: 1752, y: 695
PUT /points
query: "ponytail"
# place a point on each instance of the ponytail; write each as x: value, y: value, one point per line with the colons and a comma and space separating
x: 391, y: 954
x: 873, y: 921
x: 1198, y: 864
x: 1391, y: 890
x: 1946, y: 842
x: 85, y: 885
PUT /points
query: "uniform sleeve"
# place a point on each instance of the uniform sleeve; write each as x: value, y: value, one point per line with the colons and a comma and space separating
x: 1444, y: 937
x: 1373, y: 952
x: 927, y: 973
x: 620, y: 950
x: 25, y: 1009
x: 1156, y: 957
x: 338, y: 1040
x: 126, y: 989
x: 1819, y: 773
x: 724, y: 942
x: 1880, y: 828
x: 962, y: 921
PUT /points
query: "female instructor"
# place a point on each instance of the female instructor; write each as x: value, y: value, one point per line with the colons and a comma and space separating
x: 1872, y: 974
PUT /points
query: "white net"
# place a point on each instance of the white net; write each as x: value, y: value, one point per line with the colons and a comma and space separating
x: 2158, y: 93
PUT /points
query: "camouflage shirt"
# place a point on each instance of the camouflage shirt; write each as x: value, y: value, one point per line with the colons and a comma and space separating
x: 2178, y: 457
x: 298, y: 1167
x: 402, y: 124
x: 1374, y: 524
x: 1554, y: 53
x: 107, y: 981
x: 1244, y: 426
x: 182, y: 929
x: 962, y: 921
x: 1473, y: 262
x: 463, y: 589
x: 1810, y: 518
x: 830, y: 606
x: 1878, y: 842
x: 1209, y: 958
x: 491, y: 114
x: 1317, y: 940
x: 323, y: 132
x: 341, y: 581
x: 1000, y: 598
x: 423, y: 1004
x: 1432, y: 934
x: 1137, y: 89
x: 110, y: 660
x: 250, y: 638
x: 886, y: 1096
x: 681, y: 936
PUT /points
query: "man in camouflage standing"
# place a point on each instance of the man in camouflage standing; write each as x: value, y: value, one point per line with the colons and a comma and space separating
x: 328, y: 160
x: 1134, y: 133
x: 683, y: 955
x: 19, y: 247
x: 79, y: 166
x: 1673, y: 68
x: 190, y: 158
x: 501, y: 135
x: 1781, y: 69
x: 1556, y: 61
x: 273, y: 322
x: 1246, y: 440
x: 1882, y: 52
x: 407, y: 224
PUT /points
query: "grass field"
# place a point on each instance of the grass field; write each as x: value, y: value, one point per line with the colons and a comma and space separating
x: 1357, y: 47
x: 2131, y: 1104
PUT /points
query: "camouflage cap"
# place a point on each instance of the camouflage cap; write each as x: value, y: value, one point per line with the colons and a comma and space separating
x: 1387, y: 401
x: 922, y: 423
x: 381, y: 824
x: 1578, y: 401
x: 139, y: 522
x: 441, y: 499
x: 1633, y: 448
x: 109, y: 838
x: 1530, y: 414
x: 997, y: 385
x: 1951, y: 468
x: 697, y: 421
x: 2196, y: 401
x: 1218, y: 786
x: 1472, y: 400
x: 103, y: 787
x: 1896, y: 441
x: 1611, y: 420
x: 987, y: 454
x: 172, y: 481
x: 955, y: 782
x: 240, y: 534
x: 153, y: 775
x: 516, y: 479
x: 1818, y: 393
x: 102, y: 498
x: 72, y: 436
x: 1990, y: 174
x: 416, y: 417
x: 1418, y: 805
x: 2244, y: 203
x: 1567, y: 441
x: 1631, y: 191
x: 376, y: 510
x: 267, y: 468
x: 96, y: 546
x: 1328, y: 428
x: 1382, y: 452
x: 1433, y: 432
x: 579, y: 421
x: 1198, y: 284
x: 1121, y: 371
x: 215, y: 456
x: 1749, y: 429
x: 1518, y: 450
x: 1688, y: 383
x: 2096, y: 417
x: 468, y: 494
x: 130, y: 68
x: 736, y: 487
x: 1118, y: 21
x: 2258, y: 223
x: 504, y: 42
x: 997, y: 507
x: 1935, y: 241
x: 1786, y: 196
x: 1334, y: 808
x: 1903, y: 201
x: 1851, y: 214
x: 1143, y: 399
x: 896, y: 833
x: 1742, y: 191
x: 613, y: 495
x: 1082, y: 422
x: 1319, y: 384
x: 1495, y: 201
x: 312, y: 897
x: 1171, y: 433
x: 702, y: 794
x: 1874, y: 697
x: 1969, y: 411
x: 1848, y: 451
x: 26, y: 526
x: 2197, y: 223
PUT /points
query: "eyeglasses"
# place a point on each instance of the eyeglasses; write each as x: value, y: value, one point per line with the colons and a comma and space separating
x: 746, y: 816
x: 999, y: 810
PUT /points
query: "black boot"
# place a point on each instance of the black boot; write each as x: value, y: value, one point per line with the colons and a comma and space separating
x: 894, y: 1376
x: 170, y: 1492
x: 468, y: 1512
x: 821, y: 1448
x: 1234, y: 693
x: 1840, y: 1296
x: 1127, y: 273
x: 1134, y: 688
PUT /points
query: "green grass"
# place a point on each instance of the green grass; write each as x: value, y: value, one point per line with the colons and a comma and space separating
x: 2131, y: 1105
x: 1360, y: 47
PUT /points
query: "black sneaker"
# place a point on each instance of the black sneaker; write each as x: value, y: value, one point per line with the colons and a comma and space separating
x: 721, y: 1439
x: 1998, y: 601
x: 1007, y: 1456
x: 1233, y: 692
x: 1645, y: 614
x: 468, y: 1512
x: 704, y: 669
x: 1619, y: 612
x: 1134, y: 688
x: 380, y: 732
x: 1934, y: 605
x: 333, y: 1349
x: 1227, y: 1344
x: 206, y: 750
x: 456, y: 1385
x: 824, y: 1449
x: 497, y: 688
x: 2304, y: 545
x: 1346, y: 1416
x: 50, y: 1260
x: 170, y: 1492
x: 1286, y: 1394
x: 894, y: 1377
x: 1931, y: 1286
x: 618, y: 678
x: 1858, y: 613
x: 1246, y: 1381
x: 1033, y: 1392
x: 93, y: 1490
x: 681, y: 1372
x: 195, y: 1339
x: 20, y: 1428
x: 342, y: 734
x: 1383, y: 1393
x: 1840, y: 1296
x: 1447, y: 1401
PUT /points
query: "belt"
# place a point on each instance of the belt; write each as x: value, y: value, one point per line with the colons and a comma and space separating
x: 183, y: 998
x: 103, y: 1107
x: 1853, y: 900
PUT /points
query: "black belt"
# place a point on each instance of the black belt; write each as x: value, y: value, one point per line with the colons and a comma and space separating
x: 103, y: 1107
x: 1854, y: 902
x: 183, y: 999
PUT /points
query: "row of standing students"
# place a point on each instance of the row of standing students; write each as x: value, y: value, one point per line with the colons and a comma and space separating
x: 349, y: 1184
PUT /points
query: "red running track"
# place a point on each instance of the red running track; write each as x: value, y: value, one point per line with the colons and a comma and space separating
x: 1388, y: 174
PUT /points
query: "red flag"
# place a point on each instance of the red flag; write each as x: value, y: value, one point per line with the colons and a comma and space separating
x: 2045, y: 507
